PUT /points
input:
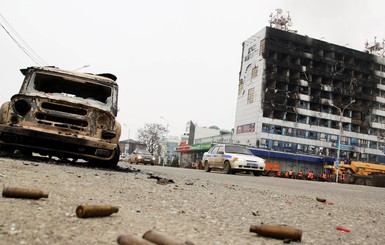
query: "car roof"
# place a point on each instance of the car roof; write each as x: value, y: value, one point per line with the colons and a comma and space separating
x: 106, y: 78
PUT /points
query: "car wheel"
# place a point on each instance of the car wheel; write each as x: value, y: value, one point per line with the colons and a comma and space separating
x: 207, y: 166
x: 360, y: 181
x: 227, y: 168
x: 256, y: 173
x: 115, y: 160
x: 368, y: 182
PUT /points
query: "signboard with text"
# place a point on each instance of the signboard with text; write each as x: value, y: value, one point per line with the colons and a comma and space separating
x: 246, y: 128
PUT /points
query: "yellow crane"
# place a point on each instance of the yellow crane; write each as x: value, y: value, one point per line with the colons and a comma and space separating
x: 360, y: 173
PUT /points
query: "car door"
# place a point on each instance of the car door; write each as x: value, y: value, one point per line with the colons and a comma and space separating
x: 220, y: 157
x: 212, y: 156
x: 133, y: 157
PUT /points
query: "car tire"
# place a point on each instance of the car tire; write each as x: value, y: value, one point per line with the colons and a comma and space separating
x: 207, y: 166
x: 368, y: 182
x: 115, y: 160
x: 256, y: 173
x: 227, y: 168
x: 360, y: 181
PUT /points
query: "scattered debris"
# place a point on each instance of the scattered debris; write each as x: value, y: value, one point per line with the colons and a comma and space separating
x: 280, y: 232
x: 161, y: 180
x: 16, y: 192
x: 320, y: 199
x: 339, y: 228
x: 256, y: 213
x: 328, y: 203
x: 164, y: 181
x: 89, y: 211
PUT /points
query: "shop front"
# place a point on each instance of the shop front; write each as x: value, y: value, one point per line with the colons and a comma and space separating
x: 191, y: 155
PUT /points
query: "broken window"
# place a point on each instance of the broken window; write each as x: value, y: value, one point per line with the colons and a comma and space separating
x: 64, y: 86
x: 250, y: 96
x: 240, y: 87
x: 254, y: 72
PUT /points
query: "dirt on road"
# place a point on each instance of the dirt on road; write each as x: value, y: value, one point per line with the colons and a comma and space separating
x: 196, y: 210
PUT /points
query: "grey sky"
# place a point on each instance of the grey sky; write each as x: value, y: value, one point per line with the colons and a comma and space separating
x: 173, y: 58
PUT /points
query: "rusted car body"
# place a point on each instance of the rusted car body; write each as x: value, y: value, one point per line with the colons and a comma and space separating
x: 61, y: 113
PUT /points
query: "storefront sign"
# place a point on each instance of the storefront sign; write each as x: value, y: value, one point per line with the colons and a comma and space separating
x: 246, y: 128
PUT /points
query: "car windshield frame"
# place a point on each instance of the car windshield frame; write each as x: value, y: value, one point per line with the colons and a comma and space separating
x: 237, y: 150
x: 143, y: 151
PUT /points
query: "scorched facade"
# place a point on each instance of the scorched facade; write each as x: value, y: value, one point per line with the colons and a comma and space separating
x: 292, y: 90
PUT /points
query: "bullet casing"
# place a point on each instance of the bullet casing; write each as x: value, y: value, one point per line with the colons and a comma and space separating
x: 163, y: 239
x: 16, y: 192
x: 128, y: 239
x: 281, y: 232
x: 88, y: 211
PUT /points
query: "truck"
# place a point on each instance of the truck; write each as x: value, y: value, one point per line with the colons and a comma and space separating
x: 67, y: 114
x: 360, y: 173
x: 271, y: 169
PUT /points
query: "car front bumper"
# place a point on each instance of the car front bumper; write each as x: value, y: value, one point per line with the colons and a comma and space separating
x: 58, y: 145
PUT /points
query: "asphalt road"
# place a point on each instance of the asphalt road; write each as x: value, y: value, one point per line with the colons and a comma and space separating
x: 328, y: 190
x: 205, y: 208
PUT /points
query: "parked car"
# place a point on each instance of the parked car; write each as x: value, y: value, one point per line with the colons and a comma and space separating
x: 232, y: 159
x: 141, y: 156
x: 67, y: 114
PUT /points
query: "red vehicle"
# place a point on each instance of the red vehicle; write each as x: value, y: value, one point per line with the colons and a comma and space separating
x: 272, y: 168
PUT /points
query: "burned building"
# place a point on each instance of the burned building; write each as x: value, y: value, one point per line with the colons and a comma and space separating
x: 295, y: 92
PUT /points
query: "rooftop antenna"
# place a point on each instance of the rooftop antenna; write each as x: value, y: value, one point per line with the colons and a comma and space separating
x: 280, y: 21
x: 377, y: 48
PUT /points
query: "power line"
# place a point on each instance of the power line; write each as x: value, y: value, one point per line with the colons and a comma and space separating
x: 20, y: 42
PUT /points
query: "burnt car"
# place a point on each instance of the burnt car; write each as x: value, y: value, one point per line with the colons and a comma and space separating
x: 141, y: 156
x: 67, y: 114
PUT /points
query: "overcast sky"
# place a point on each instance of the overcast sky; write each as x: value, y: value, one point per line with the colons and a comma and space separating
x: 174, y: 59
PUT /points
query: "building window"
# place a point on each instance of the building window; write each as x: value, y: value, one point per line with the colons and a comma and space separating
x: 240, y: 87
x: 323, y: 137
x: 261, y: 47
x: 254, y: 72
x: 250, y: 96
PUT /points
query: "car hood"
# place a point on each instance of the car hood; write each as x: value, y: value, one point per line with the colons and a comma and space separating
x: 244, y: 157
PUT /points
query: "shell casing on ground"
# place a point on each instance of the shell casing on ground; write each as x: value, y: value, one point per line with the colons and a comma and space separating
x: 163, y: 239
x: 275, y: 231
x: 16, y: 192
x: 89, y: 211
x: 129, y: 239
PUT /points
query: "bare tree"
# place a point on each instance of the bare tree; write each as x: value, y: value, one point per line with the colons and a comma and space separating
x: 153, y: 135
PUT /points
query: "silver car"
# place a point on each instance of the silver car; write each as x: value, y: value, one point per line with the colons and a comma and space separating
x: 232, y: 159
x: 141, y: 156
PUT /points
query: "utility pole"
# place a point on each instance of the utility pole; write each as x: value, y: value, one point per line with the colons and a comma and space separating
x: 340, y: 135
x: 165, y: 146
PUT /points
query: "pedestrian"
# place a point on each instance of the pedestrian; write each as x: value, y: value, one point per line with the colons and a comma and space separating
x: 323, y: 176
x: 300, y: 174
x: 291, y: 174
x: 310, y: 175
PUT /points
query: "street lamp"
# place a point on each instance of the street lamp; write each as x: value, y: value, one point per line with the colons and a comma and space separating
x: 340, y: 134
x: 167, y: 124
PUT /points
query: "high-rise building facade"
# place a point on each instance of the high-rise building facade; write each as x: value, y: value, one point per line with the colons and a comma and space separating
x: 297, y: 95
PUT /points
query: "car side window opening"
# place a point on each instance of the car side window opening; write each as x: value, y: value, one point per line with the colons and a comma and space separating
x: 215, y: 150
x: 221, y: 150
x: 238, y: 150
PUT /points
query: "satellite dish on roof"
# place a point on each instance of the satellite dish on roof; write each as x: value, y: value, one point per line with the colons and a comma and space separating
x: 279, y: 11
x: 290, y: 23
